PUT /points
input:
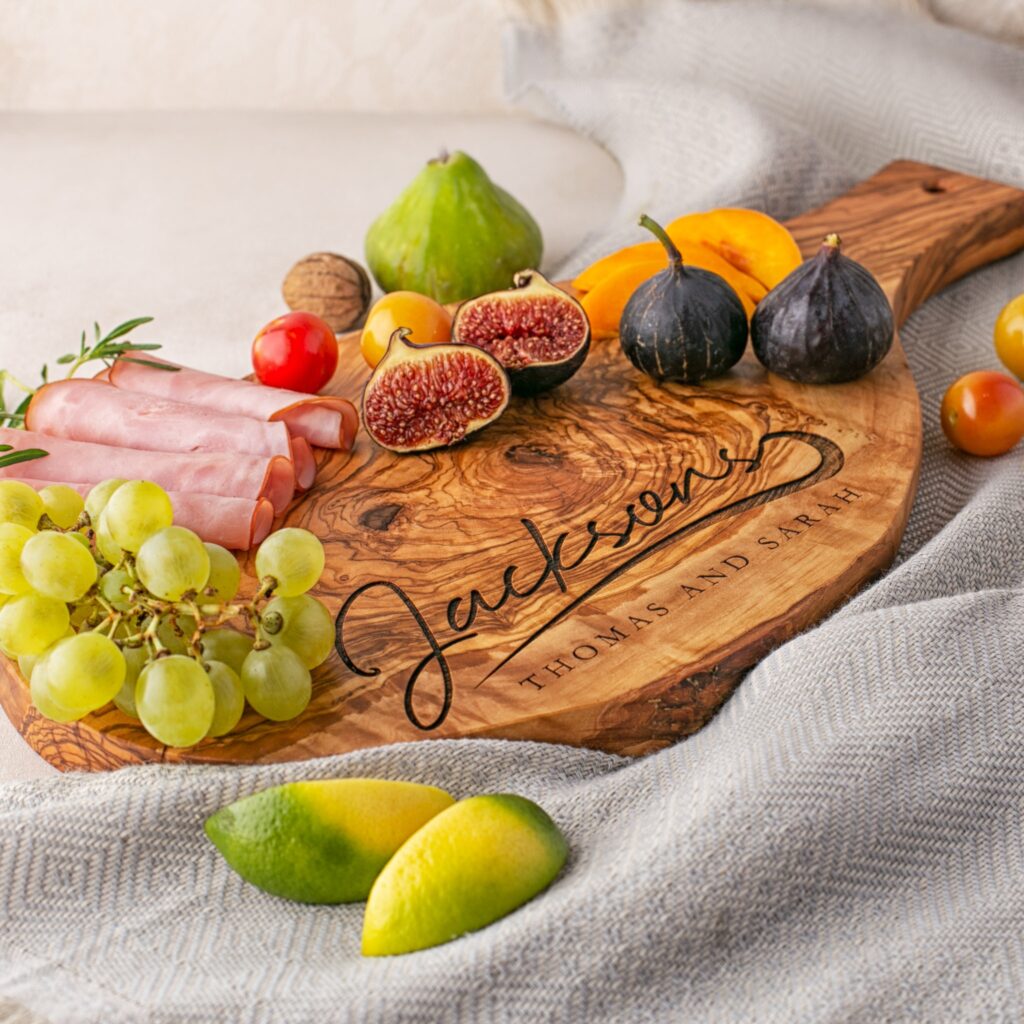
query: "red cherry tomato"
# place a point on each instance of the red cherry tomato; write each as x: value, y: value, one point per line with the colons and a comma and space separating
x: 983, y: 413
x: 297, y: 351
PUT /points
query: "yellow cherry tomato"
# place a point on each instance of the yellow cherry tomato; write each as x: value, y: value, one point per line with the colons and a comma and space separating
x: 430, y: 323
x: 1009, y: 336
x: 983, y: 413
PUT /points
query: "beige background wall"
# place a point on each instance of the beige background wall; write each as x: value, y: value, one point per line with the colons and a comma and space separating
x: 367, y: 55
x: 251, y: 54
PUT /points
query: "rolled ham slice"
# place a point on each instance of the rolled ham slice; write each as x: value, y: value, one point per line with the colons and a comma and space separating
x: 323, y: 420
x: 235, y: 523
x: 303, y: 461
x: 93, y: 410
x: 227, y: 474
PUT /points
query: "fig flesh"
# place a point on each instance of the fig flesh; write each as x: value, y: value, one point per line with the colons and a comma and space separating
x: 540, y: 334
x: 685, y: 323
x: 827, y: 322
x: 452, y: 234
x: 431, y: 396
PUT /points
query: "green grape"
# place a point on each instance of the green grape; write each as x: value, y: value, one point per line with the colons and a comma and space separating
x: 105, y: 543
x: 20, y: 504
x: 13, y: 539
x: 228, y: 698
x: 63, y: 504
x: 303, y: 624
x: 58, y: 567
x: 112, y: 584
x: 27, y: 662
x: 225, y: 575
x: 172, y: 563
x: 135, y: 511
x: 294, y: 558
x: 30, y: 623
x: 175, y: 701
x: 176, y: 640
x: 96, y: 500
x: 82, y: 612
x: 227, y: 645
x: 81, y: 539
x: 85, y: 671
x: 44, y: 699
x: 135, y: 660
x: 276, y: 683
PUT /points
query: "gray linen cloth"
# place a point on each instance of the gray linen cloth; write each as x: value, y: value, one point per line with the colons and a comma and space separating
x: 842, y: 843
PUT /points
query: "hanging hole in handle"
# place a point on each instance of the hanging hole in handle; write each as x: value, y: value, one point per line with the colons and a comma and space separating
x: 934, y: 186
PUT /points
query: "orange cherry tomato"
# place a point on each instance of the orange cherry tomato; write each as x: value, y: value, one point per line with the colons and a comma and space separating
x: 430, y: 323
x: 1009, y: 336
x: 983, y: 413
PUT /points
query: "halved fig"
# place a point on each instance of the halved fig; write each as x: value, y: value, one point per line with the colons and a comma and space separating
x: 430, y: 396
x: 536, y: 331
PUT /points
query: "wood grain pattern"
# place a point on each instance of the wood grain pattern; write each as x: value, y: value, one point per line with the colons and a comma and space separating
x: 633, y: 548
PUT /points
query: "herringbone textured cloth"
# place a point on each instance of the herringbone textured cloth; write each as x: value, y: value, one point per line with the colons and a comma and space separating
x: 843, y: 843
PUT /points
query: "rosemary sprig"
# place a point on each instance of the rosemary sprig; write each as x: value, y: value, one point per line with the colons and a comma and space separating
x: 23, y: 455
x: 106, y: 347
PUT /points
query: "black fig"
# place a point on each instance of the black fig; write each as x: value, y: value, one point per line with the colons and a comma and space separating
x: 685, y: 323
x: 827, y: 322
x: 540, y: 334
x: 430, y: 396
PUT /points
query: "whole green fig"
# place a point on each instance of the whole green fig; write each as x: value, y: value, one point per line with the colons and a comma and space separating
x: 452, y: 234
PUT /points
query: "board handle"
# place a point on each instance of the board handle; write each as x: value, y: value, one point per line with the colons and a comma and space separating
x: 919, y: 228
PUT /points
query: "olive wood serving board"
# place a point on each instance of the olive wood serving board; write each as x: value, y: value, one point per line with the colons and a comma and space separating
x: 602, y: 565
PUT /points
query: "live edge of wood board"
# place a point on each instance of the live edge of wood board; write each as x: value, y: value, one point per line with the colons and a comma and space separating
x: 633, y: 549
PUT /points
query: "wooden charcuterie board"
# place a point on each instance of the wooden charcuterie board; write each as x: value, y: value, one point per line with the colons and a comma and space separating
x: 602, y: 565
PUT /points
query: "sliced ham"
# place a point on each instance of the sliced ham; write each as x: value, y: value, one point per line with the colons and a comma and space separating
x: 304, y: 463
x: 227, y: 474
x: 323, y: 420
x: 93, y: 410
x: 235, y: 523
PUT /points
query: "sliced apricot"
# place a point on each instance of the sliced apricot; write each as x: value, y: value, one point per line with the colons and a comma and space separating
x: 756, y: 244
x: 692, y: 252
x: 605, y: 302
x: 644, y: 252
x: 751, y: 250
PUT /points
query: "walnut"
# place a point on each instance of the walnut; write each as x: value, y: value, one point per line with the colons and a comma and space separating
x: 330, y: 286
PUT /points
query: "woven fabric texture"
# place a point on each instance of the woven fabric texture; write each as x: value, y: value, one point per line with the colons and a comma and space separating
x: 843, y: 843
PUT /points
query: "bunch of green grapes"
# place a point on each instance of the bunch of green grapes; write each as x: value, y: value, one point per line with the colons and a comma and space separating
x: 105, y: 599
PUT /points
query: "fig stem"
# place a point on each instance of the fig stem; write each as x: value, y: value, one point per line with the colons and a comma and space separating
x: 832, y: 241
x: 674, y: 255
x: 398, y: 336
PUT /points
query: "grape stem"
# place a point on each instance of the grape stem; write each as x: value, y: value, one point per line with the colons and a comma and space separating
x: 149, y: 613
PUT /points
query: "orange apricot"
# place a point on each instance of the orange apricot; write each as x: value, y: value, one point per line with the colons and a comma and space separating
x: 749, y: 249
x: 751, y: 241
x: 605, y: 302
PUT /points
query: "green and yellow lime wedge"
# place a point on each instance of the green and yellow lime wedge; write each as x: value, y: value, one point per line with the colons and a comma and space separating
x: 324, y: 841
x: 470, y: 865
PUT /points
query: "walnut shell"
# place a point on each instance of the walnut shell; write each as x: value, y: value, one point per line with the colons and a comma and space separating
x: 332, y: 287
